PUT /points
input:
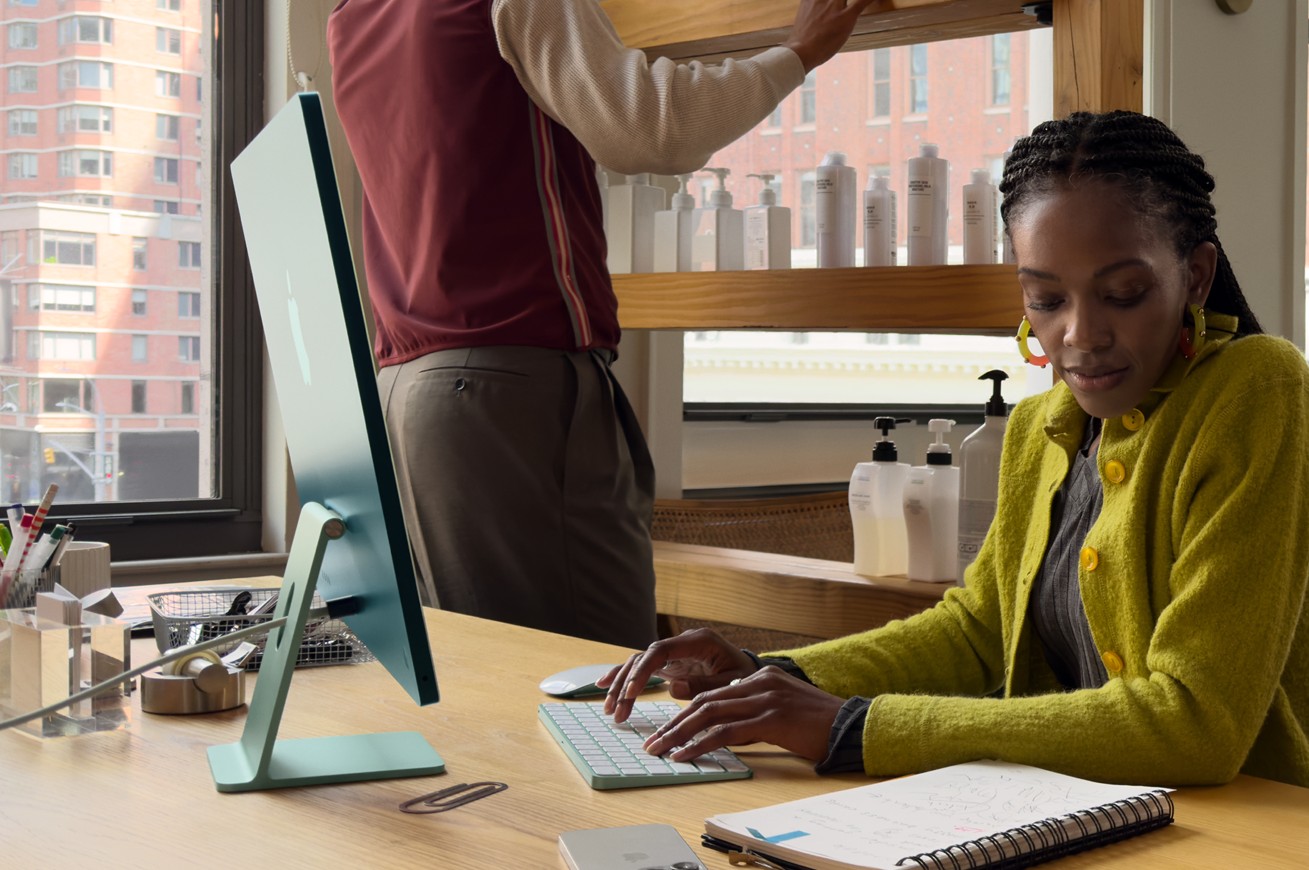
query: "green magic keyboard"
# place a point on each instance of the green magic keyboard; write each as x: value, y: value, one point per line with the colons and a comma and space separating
x: 610, y: 756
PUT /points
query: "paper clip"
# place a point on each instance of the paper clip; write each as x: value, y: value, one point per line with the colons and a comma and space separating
x: 449, y: 798
x: 746, y: 858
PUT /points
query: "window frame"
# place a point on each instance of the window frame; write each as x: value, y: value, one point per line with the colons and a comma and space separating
x: 231, y: 521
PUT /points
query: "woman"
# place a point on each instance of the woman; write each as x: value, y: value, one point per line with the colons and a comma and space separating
x: 1137, y: 611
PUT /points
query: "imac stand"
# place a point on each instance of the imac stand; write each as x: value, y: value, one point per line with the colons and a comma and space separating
x: 261, y: 761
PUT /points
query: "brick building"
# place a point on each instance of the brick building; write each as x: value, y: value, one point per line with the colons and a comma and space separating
x: 104, y: 261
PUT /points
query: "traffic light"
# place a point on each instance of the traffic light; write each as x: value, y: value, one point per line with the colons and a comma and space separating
x: 49, y: 456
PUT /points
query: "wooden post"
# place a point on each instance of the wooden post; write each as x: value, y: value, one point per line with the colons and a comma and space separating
x: 1099, y: 55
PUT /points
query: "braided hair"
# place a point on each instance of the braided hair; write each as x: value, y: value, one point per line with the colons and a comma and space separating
x: 1142, y: 157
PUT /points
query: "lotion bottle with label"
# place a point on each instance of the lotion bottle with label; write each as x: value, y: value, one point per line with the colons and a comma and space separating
x: 979, y: 475
x: 718, y: 231
x: 979, y: 218
x: 629, y: 227
x: 672, y: 231
x: 879, y: 222
x: 931, y: 511
x: 835, y: 192
x: 929, y: 175
x: 876, y: 514
x: 767, y: 230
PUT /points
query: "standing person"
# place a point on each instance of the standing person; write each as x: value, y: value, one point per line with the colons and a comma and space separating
x: 1137, y: 611
x: 476, y: 125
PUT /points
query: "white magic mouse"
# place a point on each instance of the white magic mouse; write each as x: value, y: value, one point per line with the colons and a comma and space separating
x: 580, y: 681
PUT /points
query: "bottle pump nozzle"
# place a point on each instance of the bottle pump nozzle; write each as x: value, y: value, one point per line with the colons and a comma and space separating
x: 938, y: 452
x: 767, y: 196
x: 995, y: 406
x: 884, y: 450
x: 720, y: 197
x: 683, y: 200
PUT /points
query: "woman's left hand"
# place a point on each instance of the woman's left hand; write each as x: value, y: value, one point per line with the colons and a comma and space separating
x: 769, y: 706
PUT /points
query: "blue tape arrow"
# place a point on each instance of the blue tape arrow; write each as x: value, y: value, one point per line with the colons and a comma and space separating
x: 777, y: 838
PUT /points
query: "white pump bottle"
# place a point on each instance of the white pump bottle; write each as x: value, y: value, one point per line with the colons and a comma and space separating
x: 931, y: 511
x: 876, y: 512
x: 979, y: 475
x: 672, y: 231
x: 629, y: 224
x: 718, y: 231
x: 767, y: 230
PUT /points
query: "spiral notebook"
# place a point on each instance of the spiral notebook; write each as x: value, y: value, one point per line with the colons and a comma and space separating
x: 978, y: 814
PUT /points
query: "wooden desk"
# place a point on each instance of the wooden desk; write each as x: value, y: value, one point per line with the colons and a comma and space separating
x: 143, y: 797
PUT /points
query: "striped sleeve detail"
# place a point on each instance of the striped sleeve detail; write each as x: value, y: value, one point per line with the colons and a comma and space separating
x: 556, y: 224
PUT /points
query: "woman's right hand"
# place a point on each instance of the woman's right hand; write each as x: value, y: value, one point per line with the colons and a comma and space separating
x: 692, y: 662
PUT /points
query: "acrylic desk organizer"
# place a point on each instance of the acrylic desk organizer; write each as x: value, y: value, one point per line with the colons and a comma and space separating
x: 43, y: 662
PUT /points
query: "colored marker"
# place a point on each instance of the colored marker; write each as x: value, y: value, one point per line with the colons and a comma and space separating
x: 38, y: 519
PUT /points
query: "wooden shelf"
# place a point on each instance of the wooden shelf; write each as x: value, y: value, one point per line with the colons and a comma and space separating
x: 956, y: 299
x: 687, y: 29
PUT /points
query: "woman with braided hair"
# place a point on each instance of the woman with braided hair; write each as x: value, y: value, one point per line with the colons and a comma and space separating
x: 1137, y: 612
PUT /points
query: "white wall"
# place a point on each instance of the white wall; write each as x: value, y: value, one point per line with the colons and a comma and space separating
x: 1233, y: 87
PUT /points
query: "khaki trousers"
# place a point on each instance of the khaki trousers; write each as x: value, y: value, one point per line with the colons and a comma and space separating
x: 527, y: 489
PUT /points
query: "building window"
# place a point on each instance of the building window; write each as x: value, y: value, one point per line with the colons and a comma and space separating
x: 22, y: 35
x: 63, y: 396
x: 168, y: 40
x: 881, y: 83
x: 86, y: 119
x: 188, y: 348
x: 188, y: 255
x: 67, y: 249
x: 188, y: 305
x: 22, y: 166
x: 86, y: 28
x: 809, y: 99
x: 808, y: 216
x: 140, y: 348
x: 166, y: 206
x: 62, y: 297
x: 95, y: 199
x: 22, y: 80
x: 86, y: 74
x: 10, y: 245
x: 775, y: 119
x: 85, y: 163
x: 78, y: 346
x: 139, y: 248
x: 166, y: 170
x: 22, y: 122
x: 917, y: 79
x: 188, y: 398
x: 1001, y: 81
x: 138, y: 303
x: 168, y: 84
x: 169, y: 5
x: 138, y: 397
x: 166, y: 127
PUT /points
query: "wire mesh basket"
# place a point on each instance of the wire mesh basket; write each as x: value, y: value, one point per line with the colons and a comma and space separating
x: 186, y: 616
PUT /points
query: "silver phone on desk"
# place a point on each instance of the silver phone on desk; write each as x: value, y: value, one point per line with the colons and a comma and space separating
x: 637, y: 847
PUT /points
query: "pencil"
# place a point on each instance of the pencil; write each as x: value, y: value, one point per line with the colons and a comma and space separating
x: 38, y: 519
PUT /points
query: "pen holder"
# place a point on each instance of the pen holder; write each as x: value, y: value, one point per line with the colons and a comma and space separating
x: 43, y: 662
x: 21, y: 591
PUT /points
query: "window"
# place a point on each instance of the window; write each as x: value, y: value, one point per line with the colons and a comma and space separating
x: 808, y: 202
x: 881, y: 83
x: 170, y: 5
x: 188, y: 255
x: 166, y: 127
x: 1000, y: 69
x: 22, y: 80
x: 188, y: 398
x: 166, y: 170
x: 63, y: 396
x: 166, y: 206
x: 86, y: 119
x: 168, y: 84
x: 62, y: 297
x: 10, y: 245
x: 188, y: 305
x: 809, y: 99
x: 138, y: 303
x: 188, y: 348
x: 68, y: 249
x: 67, y: 345
x: 140, y: 348
x: 22, y: 122
x: 22, y: 166
x: 22, y: 35
x: 139, y: 248
x: 917, y: 79
x: 168, y: 40
x: 138, y: 397
x: 86, y: 28
x: 775, y: 119
x: 86, y: 74
x: 96, y: 199
x: 85, y: 163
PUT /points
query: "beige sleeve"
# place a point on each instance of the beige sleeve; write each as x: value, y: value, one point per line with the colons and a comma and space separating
x: 632, y: 115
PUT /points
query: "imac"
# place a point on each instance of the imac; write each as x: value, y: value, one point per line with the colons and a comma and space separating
x: 350, y: 543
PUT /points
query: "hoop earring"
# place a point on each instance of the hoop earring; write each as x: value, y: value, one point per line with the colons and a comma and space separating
x: 1025, y: 332
x: 1192, y: 337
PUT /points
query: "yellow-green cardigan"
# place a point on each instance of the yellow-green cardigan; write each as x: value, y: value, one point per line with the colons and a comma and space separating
x: 1193, y: 579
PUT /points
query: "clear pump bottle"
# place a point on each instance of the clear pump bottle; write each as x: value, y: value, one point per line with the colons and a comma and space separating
x: 979, y: 475
x: 876, y: 514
